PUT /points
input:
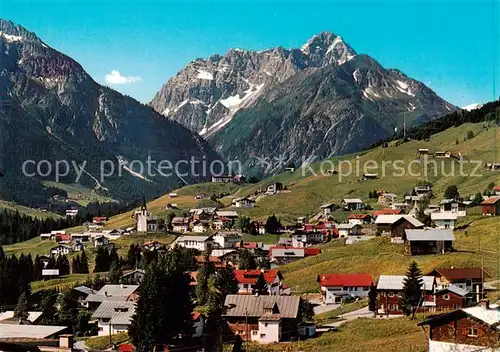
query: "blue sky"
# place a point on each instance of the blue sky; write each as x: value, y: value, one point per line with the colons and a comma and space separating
x: 449, y: 45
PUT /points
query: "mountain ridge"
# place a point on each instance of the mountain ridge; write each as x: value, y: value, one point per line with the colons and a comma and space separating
x: 208, y: 95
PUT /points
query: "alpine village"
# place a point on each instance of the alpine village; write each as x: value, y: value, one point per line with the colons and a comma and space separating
x: 291, y: 256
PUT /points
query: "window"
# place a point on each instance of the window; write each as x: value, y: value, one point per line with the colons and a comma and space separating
x: 472, y: 332
x: 265, y: 325
x: 240, y: 332
x: 366, y: 288
x: 446, y: 297
x: 262, y: 336
x: 254, y: 332
x: 391, y: 294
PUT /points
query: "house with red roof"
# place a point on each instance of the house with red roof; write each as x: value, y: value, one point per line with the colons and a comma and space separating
x: 387, y: 211
x: 335, y: 288
x: 359, y: 219
x: 496, y: 190
x: 491, y: 206
x: 248, y: 278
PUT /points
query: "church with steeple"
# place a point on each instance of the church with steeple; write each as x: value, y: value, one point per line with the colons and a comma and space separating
x: 145, y: 221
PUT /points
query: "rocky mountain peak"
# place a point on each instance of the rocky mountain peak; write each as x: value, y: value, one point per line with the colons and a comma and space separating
x: 327, y: 48
x: 10, y: 32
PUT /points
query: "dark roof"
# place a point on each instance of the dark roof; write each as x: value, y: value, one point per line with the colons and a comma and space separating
x: 270, y: 317
x: 253, y: 306
x: 457, y: 274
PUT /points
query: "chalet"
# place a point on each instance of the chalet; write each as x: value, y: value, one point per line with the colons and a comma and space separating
x: 113, y: 317
x: 201, y: 226
x: 328, y: 208
x: 285, y: 241
x: 467, y: 329
x: 180, y: 224
x: 229, y: 214
x: 63, y: 238
x: 81, y: 293
x: 45, y: 236
x: 442, y: 154
x: 215, y: 262
x: 444, y: 220
x: 395, y: 225
x: 424, y: 190
x: 100, y: 241
x: 370, y: 177
x: 113, y: 234
x: 202, y: 213
x: 350, y: 204
x: 305, y: 239
x: 263, y: 319
x: 387, y: 211
x: 61, y: 250
x: 274, y: 188
x: 428, y: 241
x: 80, y: 237
x: 243, y: 203
x: 152, y: 246
x: 387, y: 198
x: 227, y: 256
x: 287, y: 254
x: 359, y: 219
x: 133, y: 277
x: 496, y: 190
x: 219, y: 224
x: 226, y: 239
x: 390, y: 287
x: 259, y: 227
x: 469, y: 279
x: 116, y: 293
x: 453, y: 206
x: 346, y: 230
x: 491, y: 206
x: 201, y: 243
x: 248, y: 278
x: 78, y: 247
x: 222, y: 178
x: 99, y: 220
x: 423, y: 151
x: 451, y: 298
x: 402, y: 207
x: 335, y: 288
x: 173, y: 195
x: 71, y: 213
x: 171, y: 206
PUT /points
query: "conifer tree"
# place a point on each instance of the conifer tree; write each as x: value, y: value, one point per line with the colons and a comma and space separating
x: 115, y: 273
x: 49, y: 311
x: 21, y: 311
x: 372, y: 298
x: 410, y: 298
x: 247, y: 260
x: 84, y: 265
x: 67, y: 312
x: 260, y: 287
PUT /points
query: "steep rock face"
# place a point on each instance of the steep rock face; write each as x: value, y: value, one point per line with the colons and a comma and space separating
x: 321, y: 99
x: 53, y: 110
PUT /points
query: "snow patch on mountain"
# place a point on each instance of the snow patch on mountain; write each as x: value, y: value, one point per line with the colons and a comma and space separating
x: 404, y: 88
x: 11, y: 38
x: 473, y: 106
x: 202, y: 74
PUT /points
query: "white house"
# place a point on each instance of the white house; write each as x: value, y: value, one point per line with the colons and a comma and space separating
x: 72, y: 213
x: 45, y: 236
x: 114, y: 317
x: 353, y: 204
x: 200, y: 243
x: 228, y: 214
x: 180, y: 224
x: 201, y: 226
x: 346, y: 230
x: 100, y: 241
x: 226, y: 239
x: 453, y: 206
x: 58, y: 250
x: 444, y: 220
x: 335, y: 288
x: 328, y: 208
x: 306, y: 239
x: 247, y: 279
x: 243, y: 203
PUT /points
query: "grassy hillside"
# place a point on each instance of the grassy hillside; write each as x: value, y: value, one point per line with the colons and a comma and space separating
x: 308, y: 192
x: 481, y: 241
x: 78, y: 193
x: 28, y: 211
x: 361, y: 335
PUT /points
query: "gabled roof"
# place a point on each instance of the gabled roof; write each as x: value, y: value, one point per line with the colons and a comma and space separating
x: 490, y: 200
x: 195, y: 238
x: 9, y: 331
x: 429, y: 234
x: 347, y: 226
x: 117, y: 290
x: 444, y: 216
x: 250, y: 276
x: 85, y: 290
x: 8, y: 315
x: 227, y: 213
x: 352, y: 200
x: 359, y: 216
x: 311, y: 251
x: 343, y: 280
x: 490, y: 316
x: 392, y: 219
x: 252, y: 306
x: 119, y: 312
x: 386, y: 211
x: 453, y: 289
x: 395, y: 282
x: 460, y: 274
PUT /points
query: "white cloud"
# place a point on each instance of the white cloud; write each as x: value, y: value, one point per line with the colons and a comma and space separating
x: 115, y: 77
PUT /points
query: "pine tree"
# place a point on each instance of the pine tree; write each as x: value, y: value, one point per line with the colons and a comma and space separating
x: 102, y: 263
x: 84, y: 265
x: 49, y: 311
x: 75, y: 264
x: 226, y: 281
x: 204, y: 274
x: 260, y: 286
x: 273, y: 225
x: 67, y: 312
x: 451, y: 192
x: 115, y: 273
x: 62, y: 263
x: 372, y: 297
x: 411, y: 295
x: 247, y: 260
x: 22, y: 310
